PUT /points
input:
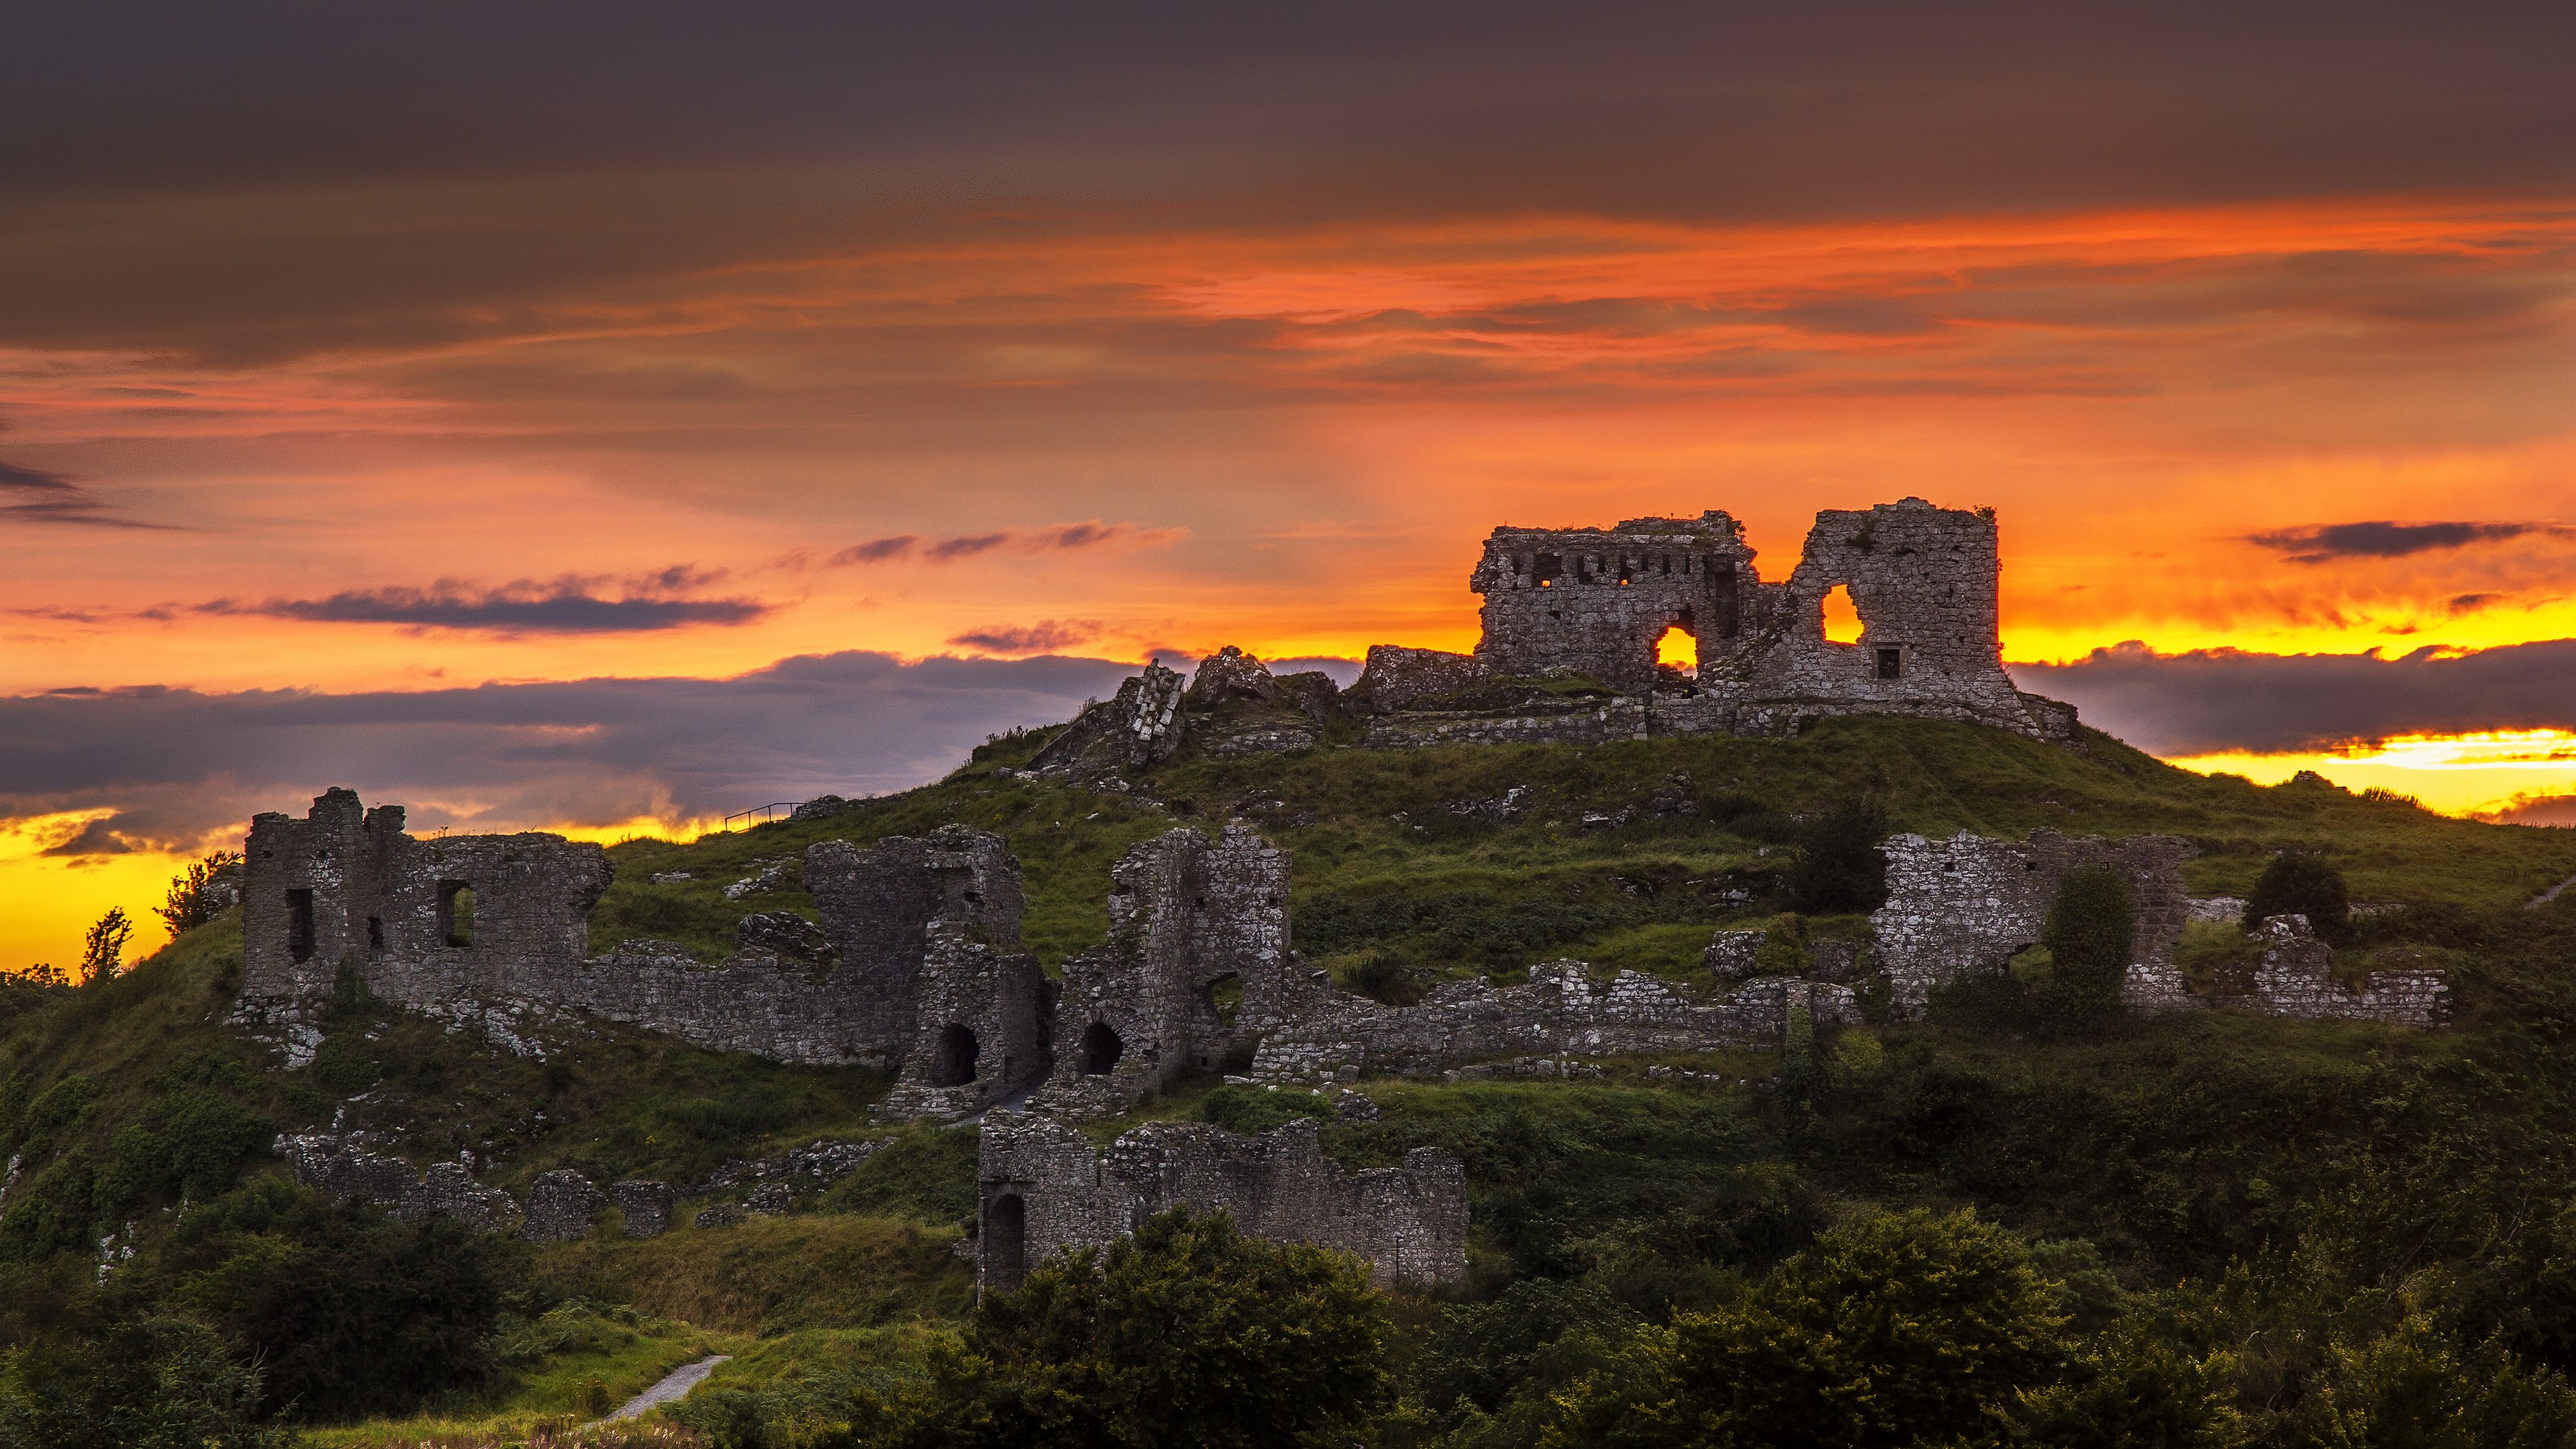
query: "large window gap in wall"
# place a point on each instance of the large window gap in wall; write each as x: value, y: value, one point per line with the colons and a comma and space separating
x: 1842, y: 616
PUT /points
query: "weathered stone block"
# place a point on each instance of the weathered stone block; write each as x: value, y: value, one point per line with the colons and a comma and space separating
x: 561, y: 1206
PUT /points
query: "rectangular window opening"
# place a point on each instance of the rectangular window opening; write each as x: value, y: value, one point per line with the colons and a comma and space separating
x: 1891, y: 663
x: 299, y: 924
x: 375, y: 933
x: 456, y: 912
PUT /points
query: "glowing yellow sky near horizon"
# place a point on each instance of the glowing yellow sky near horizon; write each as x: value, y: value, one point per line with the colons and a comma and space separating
x: 2477, y: 773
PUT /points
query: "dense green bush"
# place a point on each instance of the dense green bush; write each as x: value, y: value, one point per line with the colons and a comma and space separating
x: 2302, y: 882
x: 1839, y: 870
x: 2088, y: 935
x: 1188, y: 1334
x: 349, y: 1312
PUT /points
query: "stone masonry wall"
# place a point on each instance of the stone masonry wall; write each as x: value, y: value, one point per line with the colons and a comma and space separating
x: 2296, y: 978
x: 1561, y: 1011
x: 910, y: 921
x: 1594, y: 601
x: 1968, y: 902
x: 425, y: 921
x: 1043, y: 1189
x: 1923, y: 580
x: 1186, y: 916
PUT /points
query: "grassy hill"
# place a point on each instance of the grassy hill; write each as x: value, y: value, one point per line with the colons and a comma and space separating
x: 2278, y: 1192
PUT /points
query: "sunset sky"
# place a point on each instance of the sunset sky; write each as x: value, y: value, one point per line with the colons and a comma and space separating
x: 605, y: 417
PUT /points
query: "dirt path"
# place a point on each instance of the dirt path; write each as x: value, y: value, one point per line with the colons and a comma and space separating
x: 2551, y: 894
x: 671, y: 1389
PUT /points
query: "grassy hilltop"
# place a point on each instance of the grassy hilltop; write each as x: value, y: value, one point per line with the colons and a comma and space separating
x: 2277, y: 1202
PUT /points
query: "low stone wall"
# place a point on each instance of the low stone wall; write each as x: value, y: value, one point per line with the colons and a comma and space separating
x: 1561, y: 1011
x: 2296, y: 978
x: 1044, y: 1189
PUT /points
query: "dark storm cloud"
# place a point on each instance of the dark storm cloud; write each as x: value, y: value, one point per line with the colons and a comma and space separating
x: 2382, y: 539
x: 255, y: 181
x: 2225, y: 699
x: 1044, y: 636
x: 175, y: 764
x: 567, y: 606
x: 56, y: 498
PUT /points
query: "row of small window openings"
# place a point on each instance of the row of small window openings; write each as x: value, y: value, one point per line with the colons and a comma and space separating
x: 1546, y: 568
x: 455, y: 920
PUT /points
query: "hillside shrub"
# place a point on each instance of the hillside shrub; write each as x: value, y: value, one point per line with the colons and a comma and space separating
x: 2302, y: 882
x: 150, y: 1382
x: 1189, y: 1333
x: 351, y: 1313
x: 1839, y: 870
x: 2089, y: 933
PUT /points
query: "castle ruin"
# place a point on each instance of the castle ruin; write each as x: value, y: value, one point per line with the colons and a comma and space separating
x: 1044, y: 1188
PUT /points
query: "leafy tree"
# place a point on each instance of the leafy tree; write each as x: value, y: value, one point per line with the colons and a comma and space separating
x: 205, y: 890
x: 2089, y: 937
x: 103, y: 950
x: 2302, y: 882
x: 1189, y: 1333
x: 1839, y: 869
x: 146, y: 1383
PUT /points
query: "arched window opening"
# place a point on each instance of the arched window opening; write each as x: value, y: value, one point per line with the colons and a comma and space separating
x: 952, y: 1059
x: 1006, y: 1243
x: 1101, y: 1050
x: 1225, y: 997
x: 1677, y: 648
x: 1842, y: 617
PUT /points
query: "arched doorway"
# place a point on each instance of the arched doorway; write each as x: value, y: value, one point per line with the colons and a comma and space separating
x: 1101, y: 1049
x: 952, y: 1059
x: 1006, y: 1242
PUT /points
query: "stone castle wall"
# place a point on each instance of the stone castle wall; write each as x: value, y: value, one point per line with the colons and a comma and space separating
x: 1194, y: 971
x: 1560, y: 1011
x: 1044, y: 1189
x: 1970, y: 902
x: 1594, y: 601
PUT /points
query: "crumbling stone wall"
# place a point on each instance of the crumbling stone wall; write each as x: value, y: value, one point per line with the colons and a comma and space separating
x: 2296, y: 978
x: 1561, y: 1011
x: 1593, y: 601
x: 909, y: 927
x: 980, y: 1031
x: 1970, y: 902
x: 344, y: 1170
x: 1923, y: 580
x: 1043, y: 1189
x: 879, y: 904
x: 425, y: 921
x: 1194, y: 971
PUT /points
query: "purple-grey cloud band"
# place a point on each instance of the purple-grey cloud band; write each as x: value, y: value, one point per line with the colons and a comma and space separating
x: 2225, y: 699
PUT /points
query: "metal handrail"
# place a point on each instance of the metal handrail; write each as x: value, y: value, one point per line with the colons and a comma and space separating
x: 766, y: 813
